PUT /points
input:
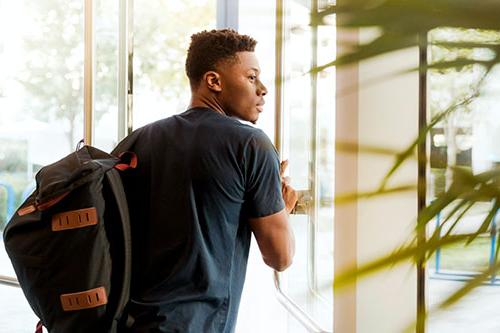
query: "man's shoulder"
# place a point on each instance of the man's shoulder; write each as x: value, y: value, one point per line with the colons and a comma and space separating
x: 208, y: 122
x: 228, y: 125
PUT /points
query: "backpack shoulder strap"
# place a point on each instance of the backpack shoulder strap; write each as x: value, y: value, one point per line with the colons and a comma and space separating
x: 121, y: 202
x: 127, y: 143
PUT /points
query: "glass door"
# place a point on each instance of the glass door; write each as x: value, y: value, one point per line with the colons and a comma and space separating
x: 308, y: 143
x: 42, y: 91
x: 41, y: 103
x: 162, y: 31
x: 466, y: 139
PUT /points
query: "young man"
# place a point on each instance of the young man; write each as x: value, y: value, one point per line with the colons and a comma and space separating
x: 204, y: 183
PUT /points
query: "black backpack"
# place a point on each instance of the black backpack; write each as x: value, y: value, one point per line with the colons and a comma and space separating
x: 70, y: 243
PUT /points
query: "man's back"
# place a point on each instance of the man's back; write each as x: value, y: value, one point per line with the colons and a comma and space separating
x: 201, y: 176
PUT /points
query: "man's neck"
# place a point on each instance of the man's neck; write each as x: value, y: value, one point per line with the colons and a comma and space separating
x: 206, y: 102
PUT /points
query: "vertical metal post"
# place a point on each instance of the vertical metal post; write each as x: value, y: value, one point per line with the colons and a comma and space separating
x: 278, y: 81
x: 438, y: 250
x: 130, y: 66
x: 122, y: 68
x: 493, y: 245
x: 125, y: 68
x: 314, y: 178
x: 422, y: 179
x: 493, y: 233
x: 88, y: 73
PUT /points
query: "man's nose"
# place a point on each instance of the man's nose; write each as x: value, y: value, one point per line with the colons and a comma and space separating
x: 261, y: 90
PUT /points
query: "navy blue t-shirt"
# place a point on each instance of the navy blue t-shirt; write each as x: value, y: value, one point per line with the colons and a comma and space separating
x: 200, y: 176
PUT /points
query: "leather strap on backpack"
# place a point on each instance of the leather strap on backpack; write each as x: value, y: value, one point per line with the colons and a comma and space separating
x: 74, y: 219
x: 84, y: 300
x: 129, y: 161
x: 34, y: 207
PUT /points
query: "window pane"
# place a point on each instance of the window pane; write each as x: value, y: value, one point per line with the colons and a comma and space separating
x: 162, y: 31
x: 272, y: 315
x: 264, y: 34
x: 325, y: 146
x: 308, y: 145
x: 106, y: 74
x: 466, y: 139
x: 41, y: 91
x: 41, y: 112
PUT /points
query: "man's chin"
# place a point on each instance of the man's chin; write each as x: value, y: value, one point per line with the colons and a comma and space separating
x: 251, y: 118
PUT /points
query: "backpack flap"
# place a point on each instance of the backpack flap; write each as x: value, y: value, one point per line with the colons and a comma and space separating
x: 55, y: 181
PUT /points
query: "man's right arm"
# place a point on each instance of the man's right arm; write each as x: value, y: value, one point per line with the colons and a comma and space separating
x: 275, y: 239
x: 273, y: 233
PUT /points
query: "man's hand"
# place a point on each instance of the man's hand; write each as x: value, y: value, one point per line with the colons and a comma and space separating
x: 287, y: 191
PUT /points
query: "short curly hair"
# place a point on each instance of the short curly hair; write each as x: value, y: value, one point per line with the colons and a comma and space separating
x: 210, y: 48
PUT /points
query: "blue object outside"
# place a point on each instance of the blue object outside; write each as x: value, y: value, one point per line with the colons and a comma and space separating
x: 465, y: 276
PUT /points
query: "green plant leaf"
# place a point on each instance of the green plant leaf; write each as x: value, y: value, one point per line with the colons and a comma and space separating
x: 469, y: 203
x: 349, y: 197
x: 352, y: 147
x: 411, y: 253
x: 381, y: 45
x: 470, y: 285
x: 484, y: 225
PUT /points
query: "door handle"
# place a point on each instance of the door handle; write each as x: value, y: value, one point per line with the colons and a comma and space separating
x: 295, y: 310
x: 9, y: 281
x: 304, y: 202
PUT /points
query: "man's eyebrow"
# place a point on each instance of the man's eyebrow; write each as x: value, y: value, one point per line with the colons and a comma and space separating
x: 255, y: 69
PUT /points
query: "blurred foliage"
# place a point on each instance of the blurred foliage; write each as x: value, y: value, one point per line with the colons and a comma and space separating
x: 162, y: 31
x: 464, y: 39
x: 53, y: 74
x: 13, y: 156
x: 399, y: 23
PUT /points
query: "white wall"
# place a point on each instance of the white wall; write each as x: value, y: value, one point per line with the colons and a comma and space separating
x: 384, y: 114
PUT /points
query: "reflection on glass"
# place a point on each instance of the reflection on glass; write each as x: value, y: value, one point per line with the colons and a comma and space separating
x: 162, y: 31
x: 468, y: 139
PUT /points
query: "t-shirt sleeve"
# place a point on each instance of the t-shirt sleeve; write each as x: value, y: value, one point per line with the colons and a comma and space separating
x: 263, y: 183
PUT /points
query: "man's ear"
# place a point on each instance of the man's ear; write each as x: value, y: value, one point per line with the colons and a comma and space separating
x: 213, y: 81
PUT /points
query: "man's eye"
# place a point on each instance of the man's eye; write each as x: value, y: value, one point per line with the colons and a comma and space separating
x: 252, y: 77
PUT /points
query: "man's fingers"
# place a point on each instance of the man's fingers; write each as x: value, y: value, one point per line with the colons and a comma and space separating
x: 283, y: 166
x: 289, y: 196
